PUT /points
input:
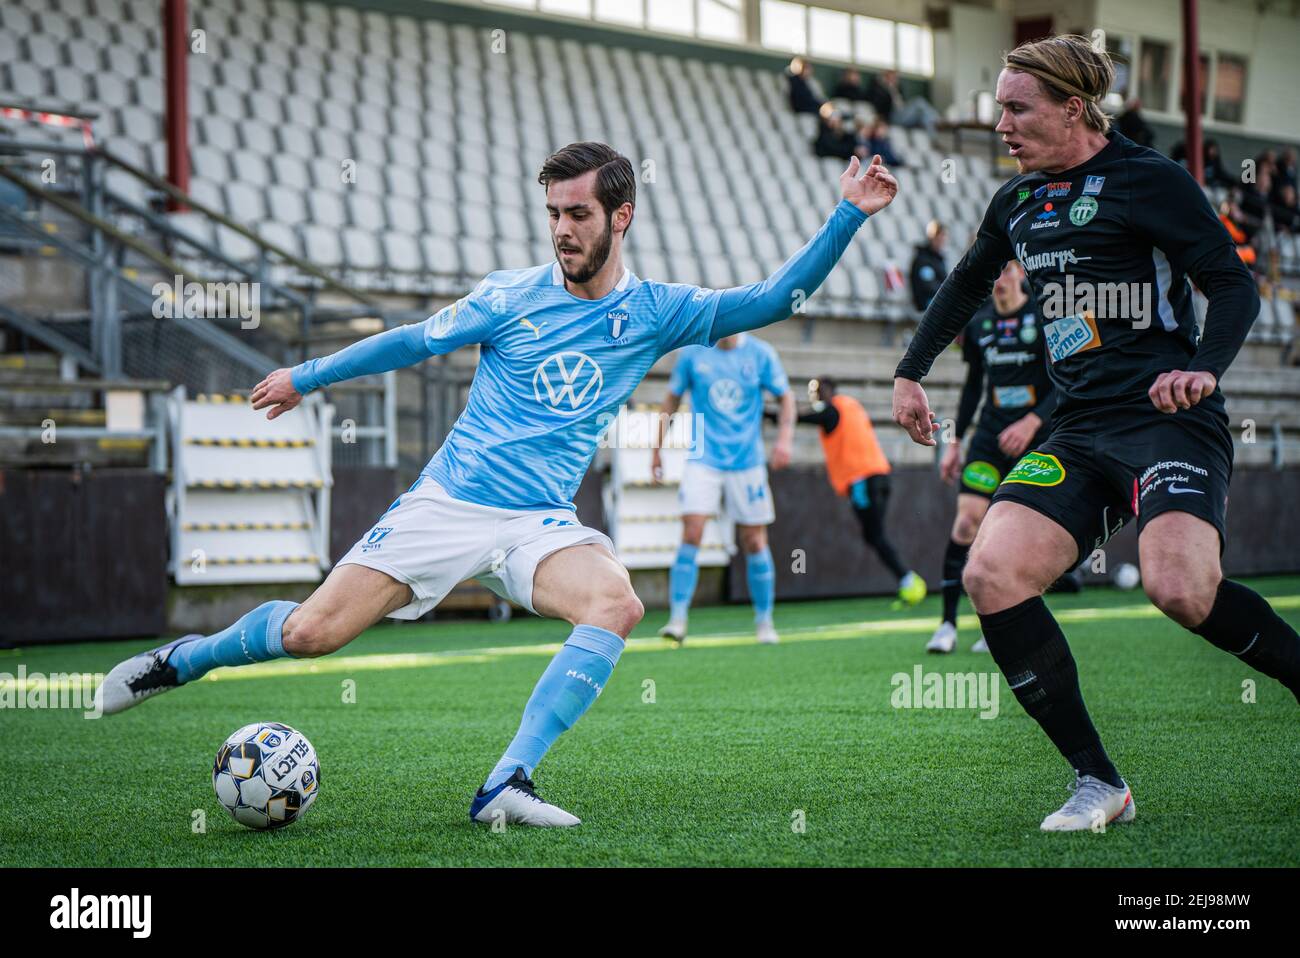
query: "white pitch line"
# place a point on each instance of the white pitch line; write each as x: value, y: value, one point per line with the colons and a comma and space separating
x: 378, y: 662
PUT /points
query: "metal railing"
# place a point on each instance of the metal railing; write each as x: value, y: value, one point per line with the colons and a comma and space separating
x: 131, y: 259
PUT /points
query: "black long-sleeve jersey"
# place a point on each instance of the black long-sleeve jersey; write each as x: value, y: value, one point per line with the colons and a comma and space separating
x: 1006, y: 367
x: 1109, y: 247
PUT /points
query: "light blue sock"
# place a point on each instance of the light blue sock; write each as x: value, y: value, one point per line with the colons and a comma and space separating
x: 254, y: 638
x: 761, y: 574
x: 565, y: 691
x: 681, y: 581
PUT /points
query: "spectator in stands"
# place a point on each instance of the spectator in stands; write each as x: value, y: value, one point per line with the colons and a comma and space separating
x: 805, y: 92
x: 1286, y: 166
x: 1132, y: 124
x: 929, y: 269
x: 850, y: 86
x: 877, y: 141
x: 1212, y: 166
x: 884, y: 95
x: 1233, y: 221
x: 1255, y: 198
x: 1286, y: 214
x: 832, y: 137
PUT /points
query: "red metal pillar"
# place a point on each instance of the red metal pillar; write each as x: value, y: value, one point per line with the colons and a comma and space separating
x: 176, y: 40
x: 1192, y: 90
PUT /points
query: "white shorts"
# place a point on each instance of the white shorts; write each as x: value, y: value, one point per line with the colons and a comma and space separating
x: 747, y: 493
x: 432, y: 542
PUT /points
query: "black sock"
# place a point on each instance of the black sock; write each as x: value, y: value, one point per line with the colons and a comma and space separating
x: 954, y: 560
x: 1243, y: 623
x: 1030, y: 649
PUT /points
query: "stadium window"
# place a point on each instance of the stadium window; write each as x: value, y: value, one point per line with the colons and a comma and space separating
x: 1120, y: 48
x: 915, y: 49
x: 1154, y: 76
x: 721, y: 20
x: 1230, y: 88
x: 829, y: 34
x: 873, y: 42
x: 671, y: 16
x: 784, y: 26
x: 569, y: 8
x: 628, y: 12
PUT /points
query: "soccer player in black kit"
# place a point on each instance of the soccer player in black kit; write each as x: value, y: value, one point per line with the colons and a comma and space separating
x: 1003, y: 349
x: 1139, y: 430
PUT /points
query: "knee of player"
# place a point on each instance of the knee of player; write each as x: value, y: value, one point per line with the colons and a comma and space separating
x: 307, y: 637
x: 753, y: 540
x: 617, y: 609
x: 964, y: 529
x: 984, y: 575
x: 1183, y: 600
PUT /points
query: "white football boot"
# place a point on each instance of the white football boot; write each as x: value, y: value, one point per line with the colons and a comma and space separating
x: 766, y: 633
x: 674, y: 630
x: 516, y: 802
x: 138, y: 678
x: 944, y: 639
x: 980, y: 645
x: 1092, y: 807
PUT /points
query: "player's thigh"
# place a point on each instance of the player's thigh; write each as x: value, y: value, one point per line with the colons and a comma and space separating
x: 1179, y: 556
x: 1017, y: 554
x: 587, y: 585
x: 971, y: 510
x: 693, y: 524
x: 1179, y: 468
x: 350, y: 600
x: 753, y: 538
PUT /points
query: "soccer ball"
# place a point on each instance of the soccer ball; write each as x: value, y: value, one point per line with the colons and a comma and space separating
x: 1126, y: 576
x: 266, y: 775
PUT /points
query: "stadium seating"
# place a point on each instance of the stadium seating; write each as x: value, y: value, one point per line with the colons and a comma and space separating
x: 289, y: 94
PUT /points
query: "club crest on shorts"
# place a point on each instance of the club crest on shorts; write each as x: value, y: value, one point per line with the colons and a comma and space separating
x: 1037, y: 469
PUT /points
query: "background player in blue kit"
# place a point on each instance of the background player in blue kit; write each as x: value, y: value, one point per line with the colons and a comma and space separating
x: 726, y: 384
x: 562, y: 348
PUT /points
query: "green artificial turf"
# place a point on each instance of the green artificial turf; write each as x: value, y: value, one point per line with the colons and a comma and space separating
x: 741, y: 743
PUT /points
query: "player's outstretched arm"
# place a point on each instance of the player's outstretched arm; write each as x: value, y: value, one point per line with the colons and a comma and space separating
x: 743, y: 308
x: 392, y: 349
x: 465, y: 321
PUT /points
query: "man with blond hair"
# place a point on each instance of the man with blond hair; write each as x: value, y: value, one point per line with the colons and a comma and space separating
x: 1111, y: 235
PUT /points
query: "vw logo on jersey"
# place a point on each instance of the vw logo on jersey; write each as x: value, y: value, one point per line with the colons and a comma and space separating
x: 568, y: 383
x: 617, y: 323
x: 725, y: 395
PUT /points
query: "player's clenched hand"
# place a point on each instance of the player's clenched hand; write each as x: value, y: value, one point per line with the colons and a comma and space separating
x: 1016, y: 438
x: 276, y: 391
x: 656, y: 466
x: 1180, y: 389
x: 912, y: 411
x: 873, y: 190
x: 950, y: 465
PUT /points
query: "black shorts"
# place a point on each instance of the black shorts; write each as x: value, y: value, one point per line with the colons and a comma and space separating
x: 1100, y: 469
x: 986, y: 464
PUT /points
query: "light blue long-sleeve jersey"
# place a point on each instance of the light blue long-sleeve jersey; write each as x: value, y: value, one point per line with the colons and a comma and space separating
x: 726, y: 387
x: 554, y: 369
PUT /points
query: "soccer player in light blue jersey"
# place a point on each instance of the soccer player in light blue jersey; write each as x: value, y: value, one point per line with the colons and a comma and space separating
x: 562, y: 348
x: 726, y: 384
